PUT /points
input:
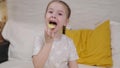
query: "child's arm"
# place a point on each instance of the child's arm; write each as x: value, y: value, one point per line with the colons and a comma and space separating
x: 72, y: 56
x: 73, y: 64
x: 40, y: 59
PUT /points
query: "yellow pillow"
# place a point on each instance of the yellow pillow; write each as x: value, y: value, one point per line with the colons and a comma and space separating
x: 93, y: 46
x: 79, y: 37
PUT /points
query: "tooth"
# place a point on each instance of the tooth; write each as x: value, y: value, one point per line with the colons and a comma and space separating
x: 51, y: 25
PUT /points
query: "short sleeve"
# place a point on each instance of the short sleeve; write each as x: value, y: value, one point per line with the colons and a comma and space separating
x: 72, y: 53
x: 38, y: 43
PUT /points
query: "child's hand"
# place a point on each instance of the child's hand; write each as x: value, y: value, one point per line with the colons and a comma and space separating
x: 49, y: 36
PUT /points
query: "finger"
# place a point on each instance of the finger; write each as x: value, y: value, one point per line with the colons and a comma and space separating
x: 50, y: 33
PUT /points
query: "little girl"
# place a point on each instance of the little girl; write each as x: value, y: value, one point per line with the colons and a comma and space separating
x: 53, y: 49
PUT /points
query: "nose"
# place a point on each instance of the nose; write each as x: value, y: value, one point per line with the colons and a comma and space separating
x: 54, y: 16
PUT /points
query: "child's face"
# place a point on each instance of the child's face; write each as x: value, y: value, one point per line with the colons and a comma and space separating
x: 56, y: 14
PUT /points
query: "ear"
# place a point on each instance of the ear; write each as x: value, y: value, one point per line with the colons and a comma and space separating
x: 66, y: 23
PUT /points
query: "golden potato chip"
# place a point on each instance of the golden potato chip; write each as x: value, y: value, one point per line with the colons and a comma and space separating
x: 51, y: 25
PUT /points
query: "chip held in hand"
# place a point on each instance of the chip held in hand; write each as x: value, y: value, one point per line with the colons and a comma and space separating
x: 51, y: 26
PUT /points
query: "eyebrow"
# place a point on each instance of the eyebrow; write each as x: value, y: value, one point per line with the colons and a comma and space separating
x: 58, y: 10
x: 61, y: 11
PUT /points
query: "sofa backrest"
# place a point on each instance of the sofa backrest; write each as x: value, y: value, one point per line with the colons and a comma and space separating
x: 21, y: 37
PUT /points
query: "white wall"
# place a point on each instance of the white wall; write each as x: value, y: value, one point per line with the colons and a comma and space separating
x: 85, y: 13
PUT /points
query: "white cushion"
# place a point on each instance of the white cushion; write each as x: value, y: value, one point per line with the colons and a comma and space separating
x: 87, y: 66
x: 17, y: 64
x: 21, y: 37
x: 115, y: 43
x: 115, y: 38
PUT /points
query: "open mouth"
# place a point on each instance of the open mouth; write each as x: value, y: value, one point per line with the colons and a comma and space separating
x: 52, y: 24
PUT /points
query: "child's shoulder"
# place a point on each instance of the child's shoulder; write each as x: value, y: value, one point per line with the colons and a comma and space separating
x: 69, y: 41
x: 39, y: 36
x: 67, y: 38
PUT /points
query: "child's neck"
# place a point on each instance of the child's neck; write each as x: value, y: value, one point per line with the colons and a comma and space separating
x: 58, y: 35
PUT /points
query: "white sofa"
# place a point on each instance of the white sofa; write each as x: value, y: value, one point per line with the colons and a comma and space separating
x: 25, y: 22
x: 21, y: 37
